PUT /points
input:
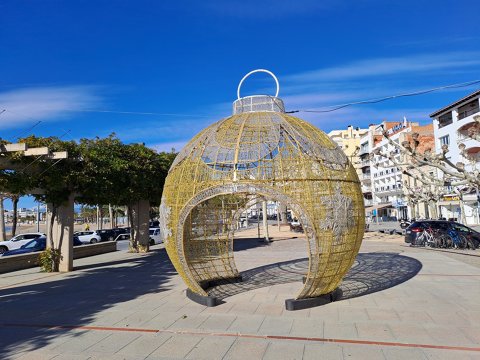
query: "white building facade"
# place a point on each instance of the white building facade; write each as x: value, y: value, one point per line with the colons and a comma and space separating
x: 451, y: 126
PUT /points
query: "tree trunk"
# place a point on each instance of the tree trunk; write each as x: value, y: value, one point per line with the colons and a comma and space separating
x: 101, y: 218
x: 284, y: 213
x: 55, y: 259
x: 15, y: 214
x: 133, y: 240
x: 110, y: 214
x: 3, y: 235
x: 98, y: 217
x: 462, y: 219
x: 139, y: 215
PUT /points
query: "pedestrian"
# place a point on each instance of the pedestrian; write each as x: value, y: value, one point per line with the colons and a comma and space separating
x: 87, y: 227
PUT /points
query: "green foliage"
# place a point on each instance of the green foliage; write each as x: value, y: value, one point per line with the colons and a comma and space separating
x: 49, y: 260
x: 119, y: 174
x: 97, y: 171
x: 57, y: 181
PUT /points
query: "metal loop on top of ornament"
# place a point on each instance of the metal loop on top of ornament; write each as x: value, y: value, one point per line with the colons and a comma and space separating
x: 257, y: 71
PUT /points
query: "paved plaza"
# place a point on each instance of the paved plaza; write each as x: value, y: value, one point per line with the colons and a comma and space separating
x: 398, y: 302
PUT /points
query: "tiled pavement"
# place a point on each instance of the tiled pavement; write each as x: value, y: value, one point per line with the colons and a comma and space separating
x: 400, y: 303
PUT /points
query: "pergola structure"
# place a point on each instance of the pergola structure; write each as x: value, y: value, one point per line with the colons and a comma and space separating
x: 261, y: 152
x: 63, y: 224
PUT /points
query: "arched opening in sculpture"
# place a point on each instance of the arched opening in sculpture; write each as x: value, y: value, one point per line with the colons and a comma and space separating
x: 210, y: 225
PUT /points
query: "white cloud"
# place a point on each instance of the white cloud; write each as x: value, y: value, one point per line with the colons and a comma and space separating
x: 377, y: 78
x: 371, y: 68
x: 29, y: 105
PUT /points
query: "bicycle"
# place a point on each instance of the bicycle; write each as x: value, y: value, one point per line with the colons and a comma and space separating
x: 429, y: 238
x: 458, y: 241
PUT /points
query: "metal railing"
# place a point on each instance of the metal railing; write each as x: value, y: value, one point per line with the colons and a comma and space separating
x: 464, y: 114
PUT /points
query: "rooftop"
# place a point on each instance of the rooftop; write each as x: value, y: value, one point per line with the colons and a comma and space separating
x: 456, y: 103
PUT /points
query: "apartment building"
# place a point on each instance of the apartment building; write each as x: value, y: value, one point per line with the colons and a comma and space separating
x: 349, y: 141
x: 452, y: 125
x: 382, y: 182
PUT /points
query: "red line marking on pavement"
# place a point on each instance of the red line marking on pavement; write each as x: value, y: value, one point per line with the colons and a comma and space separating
x: 273, y: 337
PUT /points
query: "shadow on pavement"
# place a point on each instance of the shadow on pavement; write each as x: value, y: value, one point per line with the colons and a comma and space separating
x: 76, y: 299
x: 370, y: 273
x: 248, y: 243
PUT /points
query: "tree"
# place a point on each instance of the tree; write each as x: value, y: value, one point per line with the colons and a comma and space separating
x: 412, y: 159
x: 97, y: 171
x: 122, y: 174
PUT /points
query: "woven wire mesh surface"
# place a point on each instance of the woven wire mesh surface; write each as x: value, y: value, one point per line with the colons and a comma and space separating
x: 270, y: 155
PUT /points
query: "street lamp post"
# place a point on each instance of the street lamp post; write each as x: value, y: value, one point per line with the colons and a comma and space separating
x: 38, y: 217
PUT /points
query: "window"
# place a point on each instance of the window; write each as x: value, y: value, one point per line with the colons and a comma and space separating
x: 444, y: 140
x: 468, y: 109
x: 444, y: 120
x: 32, y: 244
x: 460, y: 228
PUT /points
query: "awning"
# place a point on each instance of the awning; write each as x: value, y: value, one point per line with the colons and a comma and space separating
x: 380, y: 206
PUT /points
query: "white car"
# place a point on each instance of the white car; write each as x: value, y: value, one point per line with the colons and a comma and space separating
x: 17, y: 241
x: 155, y: 236
x: 88, y: 237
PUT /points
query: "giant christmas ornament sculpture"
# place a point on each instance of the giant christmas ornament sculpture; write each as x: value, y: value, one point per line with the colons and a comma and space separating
x: 260, y: 152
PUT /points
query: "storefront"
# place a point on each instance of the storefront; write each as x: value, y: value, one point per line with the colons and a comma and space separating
x: 451, y: 208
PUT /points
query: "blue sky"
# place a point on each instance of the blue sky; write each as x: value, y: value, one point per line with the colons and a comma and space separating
x: 77, y: 65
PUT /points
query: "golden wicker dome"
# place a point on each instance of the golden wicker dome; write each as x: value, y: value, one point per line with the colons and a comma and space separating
x: 261, y: 151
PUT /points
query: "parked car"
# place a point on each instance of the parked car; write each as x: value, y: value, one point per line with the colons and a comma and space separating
x: 125, y: 236
x: 17, y: 241
x: 38, y: 244
x: 88, y: 237
x: 415, y: 230
x: 76, y: 241
x: 155, y: 236
x: 107, y: 234
x: 122, y: 230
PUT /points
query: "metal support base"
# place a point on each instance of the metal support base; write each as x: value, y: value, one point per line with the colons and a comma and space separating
x: 203, y: 300
x: 300, y: 304
x: 211, y: 301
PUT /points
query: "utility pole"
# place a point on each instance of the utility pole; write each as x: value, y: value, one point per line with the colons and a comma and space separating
x: 265, y: 221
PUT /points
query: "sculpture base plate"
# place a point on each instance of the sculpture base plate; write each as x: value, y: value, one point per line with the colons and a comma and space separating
x: 300, y: 304
x: 209, y: 301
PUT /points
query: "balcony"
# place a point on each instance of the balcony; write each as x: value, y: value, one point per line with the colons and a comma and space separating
x: 389, y: 190
x: 365, y: 177
x: 367, y: 202
x: 366, y: 189
x: 468, y: 109
x: 365, y: 163
x: 467, y: 131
